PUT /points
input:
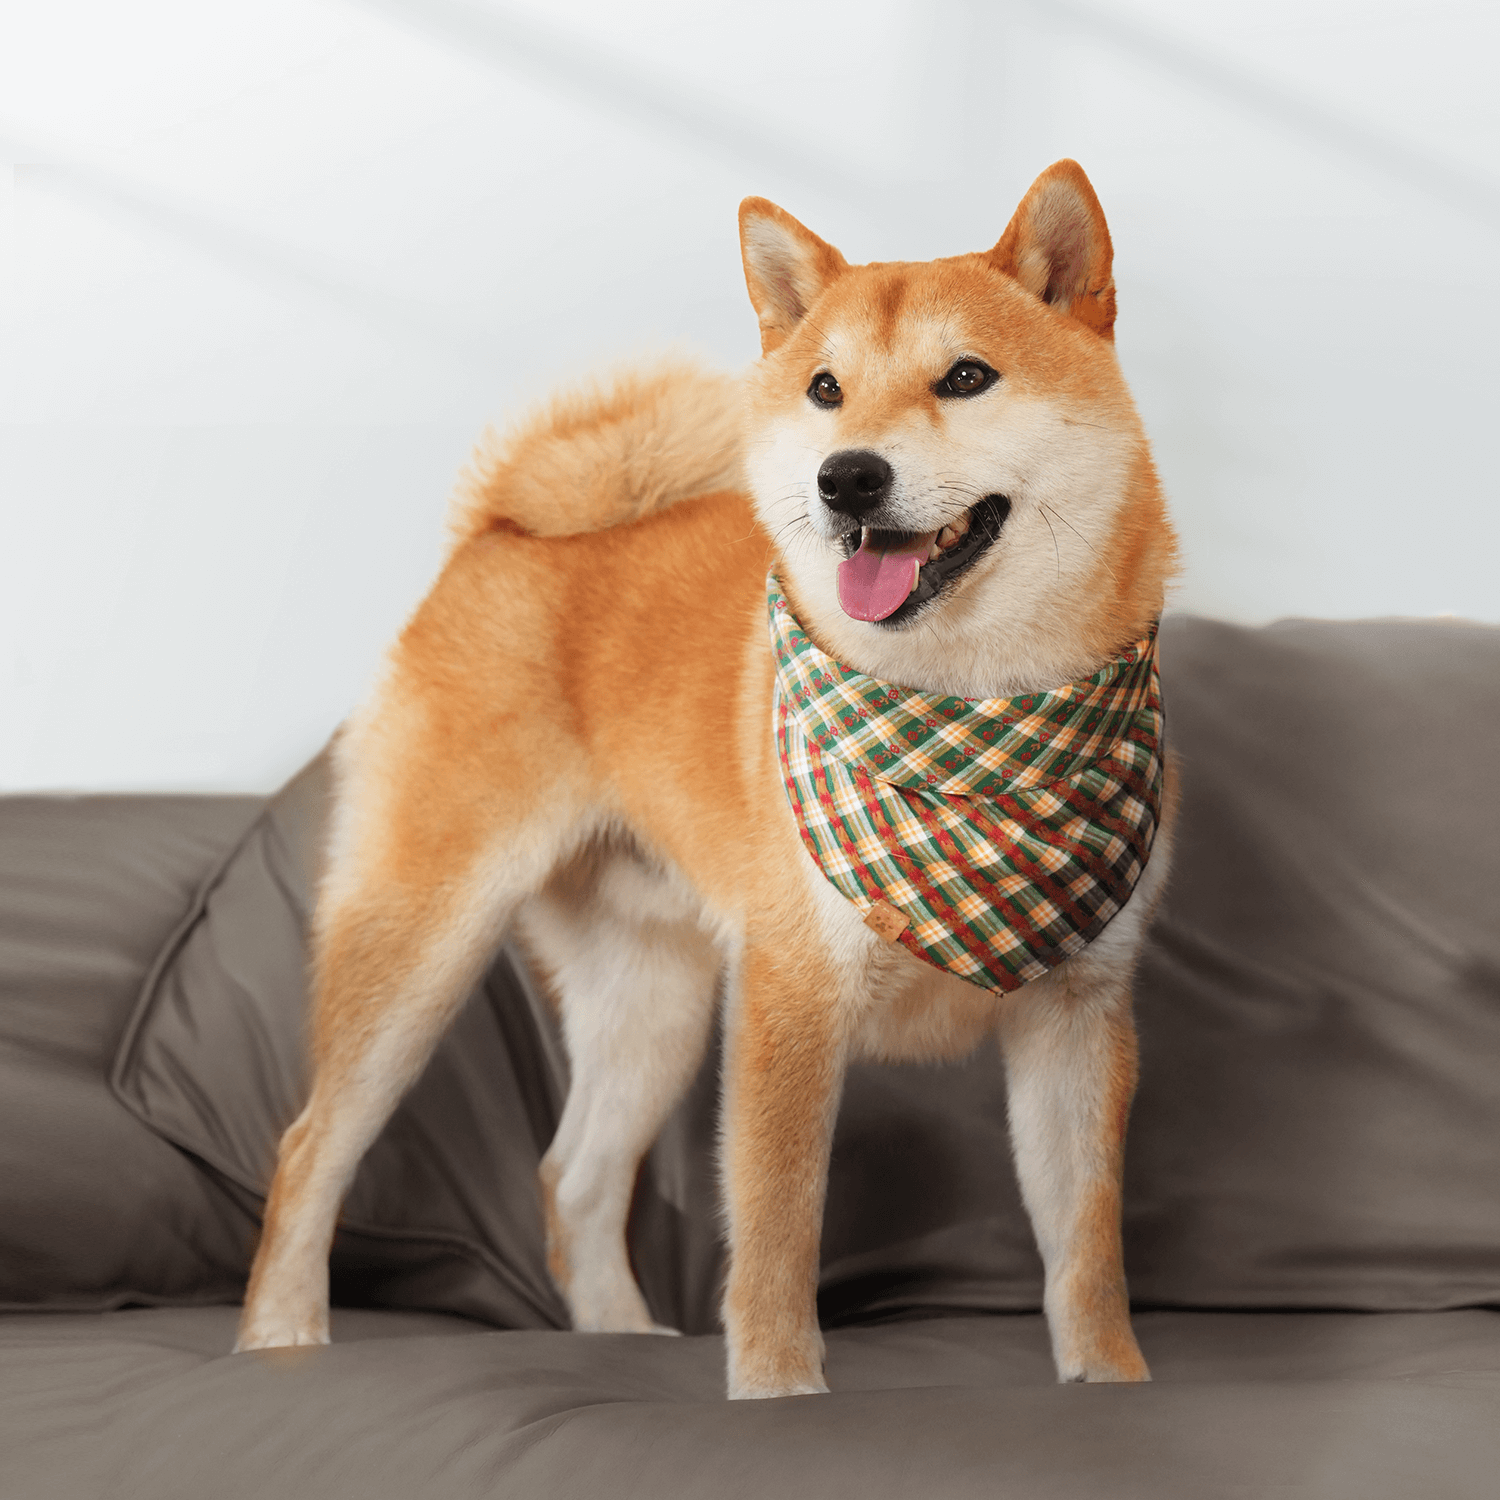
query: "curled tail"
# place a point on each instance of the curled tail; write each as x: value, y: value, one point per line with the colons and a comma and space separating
x: 600, y: 455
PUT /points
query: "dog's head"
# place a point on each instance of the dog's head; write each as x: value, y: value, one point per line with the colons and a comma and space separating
x: 946, y: 454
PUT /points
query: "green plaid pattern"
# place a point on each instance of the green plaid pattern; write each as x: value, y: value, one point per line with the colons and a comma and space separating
x: 1006, y: 831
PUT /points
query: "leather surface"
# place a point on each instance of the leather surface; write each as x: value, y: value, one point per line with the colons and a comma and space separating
x: 96, y: 1210
x: 1332, y: 1406
x: 1319, y: 1003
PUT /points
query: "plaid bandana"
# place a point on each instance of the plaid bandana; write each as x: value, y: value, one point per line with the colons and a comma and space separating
x: 992, y: 838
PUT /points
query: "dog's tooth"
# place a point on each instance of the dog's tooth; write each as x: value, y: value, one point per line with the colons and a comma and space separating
x: 946, y: 537
x: 958, y: 527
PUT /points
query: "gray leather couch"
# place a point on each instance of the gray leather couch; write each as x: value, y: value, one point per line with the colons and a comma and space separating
x: 1313, y: 1195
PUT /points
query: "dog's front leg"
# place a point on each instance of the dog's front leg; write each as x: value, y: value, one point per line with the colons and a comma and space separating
x: 1070, y: 1058
x: 783, y: 1077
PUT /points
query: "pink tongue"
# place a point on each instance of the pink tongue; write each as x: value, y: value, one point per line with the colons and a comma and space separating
x: 875, y: 583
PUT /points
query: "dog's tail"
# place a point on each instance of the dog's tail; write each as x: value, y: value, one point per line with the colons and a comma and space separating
x: 600, y: 455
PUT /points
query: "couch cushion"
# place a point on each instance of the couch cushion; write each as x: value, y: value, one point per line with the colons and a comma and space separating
x: 95, y: 1209
x: 1303, y: 1406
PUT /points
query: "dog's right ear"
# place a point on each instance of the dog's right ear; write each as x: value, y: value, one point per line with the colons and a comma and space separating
x: 786, y: 268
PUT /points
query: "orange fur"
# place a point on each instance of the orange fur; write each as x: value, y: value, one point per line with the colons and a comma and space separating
x: 600, y: 455
x: 575, y: 734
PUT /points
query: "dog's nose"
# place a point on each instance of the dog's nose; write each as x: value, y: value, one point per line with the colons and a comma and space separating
x: 854, y: 480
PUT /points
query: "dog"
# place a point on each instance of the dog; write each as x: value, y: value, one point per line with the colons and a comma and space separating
x: 593, y: 733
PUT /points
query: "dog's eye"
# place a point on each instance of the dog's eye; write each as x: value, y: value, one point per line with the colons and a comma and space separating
x: 825, y: 390
x: 967, y: 378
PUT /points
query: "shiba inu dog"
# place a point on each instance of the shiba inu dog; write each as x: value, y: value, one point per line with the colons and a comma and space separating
x: 577, y: 738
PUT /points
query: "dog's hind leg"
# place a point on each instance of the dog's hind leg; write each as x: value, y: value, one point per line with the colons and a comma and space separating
x: 1070, y: 1059
x: 414, y: 904
x: 634, y: 975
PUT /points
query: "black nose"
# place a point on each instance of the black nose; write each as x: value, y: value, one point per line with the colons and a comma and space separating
x: 854, y: 481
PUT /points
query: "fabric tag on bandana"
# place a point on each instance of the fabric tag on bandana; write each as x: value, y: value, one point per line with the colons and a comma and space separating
x: 885, y: 921
x: 992, y: 838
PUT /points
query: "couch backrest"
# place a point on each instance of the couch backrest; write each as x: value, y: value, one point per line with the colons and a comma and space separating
x: 96, y: 1209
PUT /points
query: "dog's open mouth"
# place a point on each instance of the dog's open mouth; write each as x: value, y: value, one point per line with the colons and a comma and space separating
x: 887, y: 576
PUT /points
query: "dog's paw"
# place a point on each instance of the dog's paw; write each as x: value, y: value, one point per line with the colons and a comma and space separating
x: 1105, y: 1372
x: 1098, y: 1351
x: 764, y: 1373
x: 629, y: 1325
x: 277, y: 1333
x: 612, y: 1304
x: 769, y: 1393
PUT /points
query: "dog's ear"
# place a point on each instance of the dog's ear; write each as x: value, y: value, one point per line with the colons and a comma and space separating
x: 1057, y: 246
x: 786, y: 267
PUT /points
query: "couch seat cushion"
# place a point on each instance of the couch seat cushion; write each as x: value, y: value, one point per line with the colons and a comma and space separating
x: 1378, y: 1407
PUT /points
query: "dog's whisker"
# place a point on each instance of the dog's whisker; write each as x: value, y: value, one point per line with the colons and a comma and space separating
x: 1081, y: 537
x: 1057, y: 556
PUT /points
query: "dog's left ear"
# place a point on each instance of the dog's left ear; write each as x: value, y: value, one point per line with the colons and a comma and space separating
x: 1057, y: 246
x: 786, y: 268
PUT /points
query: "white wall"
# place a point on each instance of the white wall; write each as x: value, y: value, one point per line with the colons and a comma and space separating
x: 269, y: 268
